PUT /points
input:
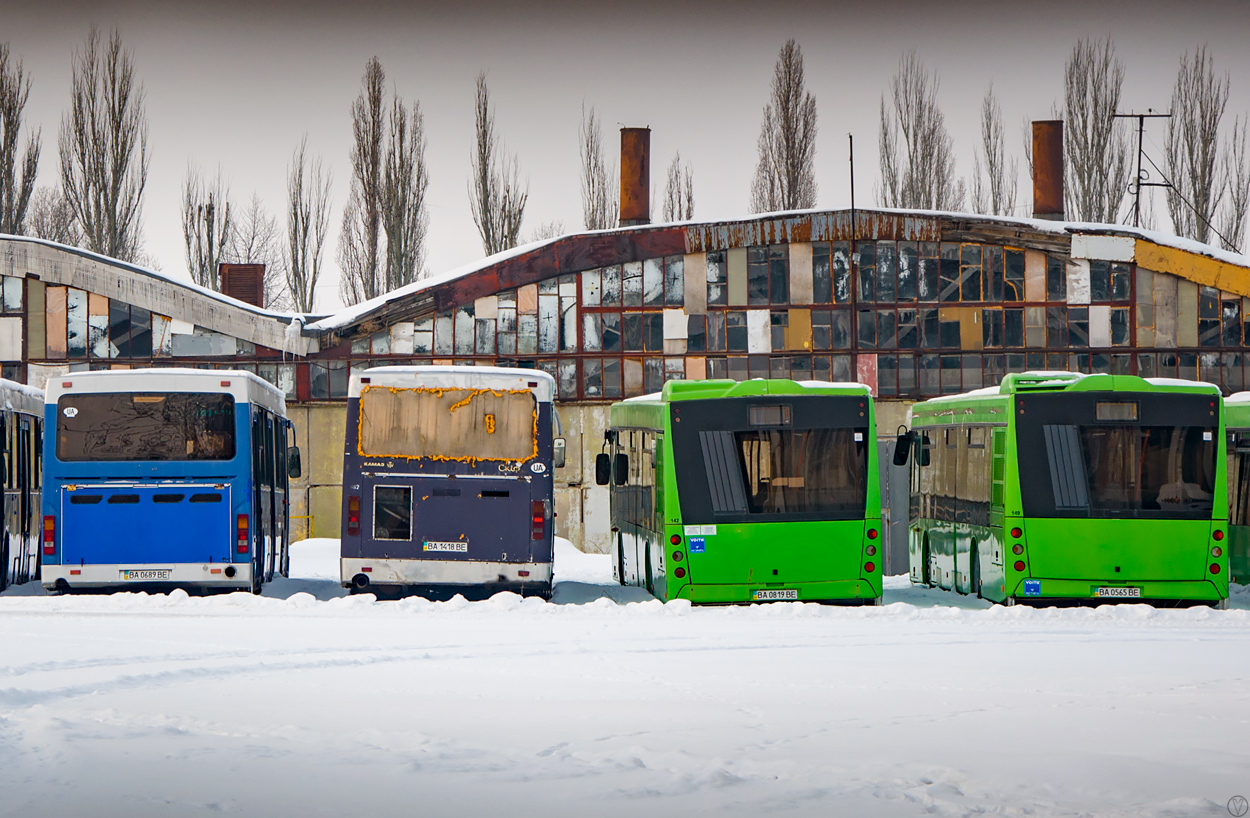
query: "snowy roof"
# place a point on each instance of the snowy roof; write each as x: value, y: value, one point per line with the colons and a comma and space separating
x: 351, y: 315
x: 454, y: 377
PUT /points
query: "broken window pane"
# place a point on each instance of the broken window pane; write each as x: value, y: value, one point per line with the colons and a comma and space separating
x: 631, y: 284
x: 821, y: 330
x: 928, y: 370
x: 548, y: 322
x: 779, y: 321
x: 822, y: 275
x: 590, y: 332
x: 612, y: 377
x: 736, y: 331
x: 840, y: 265
x: 887, y: 272
x: 716, y: 331
x: 464, y: 331
x: 76, y: 323
x: 1013, y: 276
x: 866, y: 268
x: 442, y: 334
x: 610, y: 322
x: 590, y: 288
x: 949, y: 273
x: 653, y: 282
x: 887, y: 375
x: 632, y: 332
x: 1056, y: 279
x: 841, y: 369
x: 1099, y: 280
x: 610, y: 286
x: 779, y: 274
x: 674, y: 281
x: 527, y: 335
x: 840, y: 326
x: 908, y: 270
x: 993, y: 263
x: 485, y: 331
x: 1121, y: 278
x: 1231, y: 318
x: 568, y: 323
x: 1078, y: 326
x: 1120, y: 326
x: 696, y: 334
x: 867, y: 329
x: 653, y: 375
x: 991, y: 328
x: 717, y: 279
x: 929, y: 263
x: 592, y: 382
x: 757, y: 275
x: 970, y: 273
x: 908, y: 332
x: 567, y: 378
x: 1056, y: 327
x: 653, y: 331
x: 1013, y: 327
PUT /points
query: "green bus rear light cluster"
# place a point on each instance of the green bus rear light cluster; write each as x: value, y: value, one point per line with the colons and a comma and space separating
x: 1017, y: 549
x: 869, y: 567
x: 1017, y: 533
x: 1215, y: 568
x: 1217, y: 535
x: 1217, y: 551
x: 870, y: 550
x: 1019, y: 566
x: 677, y: 556
x: 680, y: 573
x: 872, y: 533
x: 675, y: 539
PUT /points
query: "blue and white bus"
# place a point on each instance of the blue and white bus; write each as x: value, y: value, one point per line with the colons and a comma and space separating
x: 165, y: 478
x: 447, y: 481
x: 21, y: 436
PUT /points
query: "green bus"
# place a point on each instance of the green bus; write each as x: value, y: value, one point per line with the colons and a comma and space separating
x: 1057, y: 488
x: 1237, y: 419
x: 764, y: 490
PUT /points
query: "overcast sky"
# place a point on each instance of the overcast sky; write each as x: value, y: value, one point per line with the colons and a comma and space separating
x: 237, y: 84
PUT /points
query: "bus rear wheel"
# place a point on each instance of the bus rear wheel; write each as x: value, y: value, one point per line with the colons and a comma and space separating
x: 975, y: 572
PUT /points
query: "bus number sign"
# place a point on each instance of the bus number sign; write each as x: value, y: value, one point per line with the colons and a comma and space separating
x: 1118, y: 593
x: 779, y: 594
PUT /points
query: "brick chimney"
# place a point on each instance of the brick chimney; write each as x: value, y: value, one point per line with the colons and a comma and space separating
x: 635, y: 176
x: 245, y: 282
x: 1048, y: 170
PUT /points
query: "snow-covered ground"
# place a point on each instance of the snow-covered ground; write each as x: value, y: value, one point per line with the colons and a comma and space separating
x: 308, y: 702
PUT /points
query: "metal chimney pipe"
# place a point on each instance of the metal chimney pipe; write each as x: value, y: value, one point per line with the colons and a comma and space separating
x: 635, y: 176
x: 1048, y: 170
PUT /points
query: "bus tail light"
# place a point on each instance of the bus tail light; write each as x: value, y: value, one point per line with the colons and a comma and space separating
x: 675, y: 539
x: 537, y: 520
x: 1217, y: 551
x: 353, y: 516
x: 49, y: 535
x: 1215, y: 568
x: 1217, y: 535
x: 871, y: 550
x: 678, y: 556
x: 241, y: 534
x: 681, y: 573
x: 1017, y: 533
x: 1017, y: 549
x: 869, y: 567
x: 1019, y: 566
x: 872, y: 533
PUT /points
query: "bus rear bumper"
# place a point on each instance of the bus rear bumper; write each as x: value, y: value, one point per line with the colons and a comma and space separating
x: 842, y: 591
x: 1070, y: 591
x: 146, y: 577
x: 446, y: 572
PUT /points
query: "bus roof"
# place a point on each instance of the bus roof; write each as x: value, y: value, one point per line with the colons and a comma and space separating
x: 645, y: 410
x: 456, y: 377
x: 19, y: 397
x: 1018, y: 383
x: 1237, y: 410
x: 244, y: 386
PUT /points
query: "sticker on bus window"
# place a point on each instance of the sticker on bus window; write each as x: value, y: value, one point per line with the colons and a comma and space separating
x: 70, y: 411
x: 698, y: 545
x: 1032, y: 587
x: 1206, y: 437
x: 700, y: 530
x: 859, y: 437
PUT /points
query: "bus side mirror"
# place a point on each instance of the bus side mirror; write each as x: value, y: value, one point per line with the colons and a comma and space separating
x: 622, y: 469
x: 557, y: 452
x: 603, y: 469
x: 293, y: 467
x: 902, y: 447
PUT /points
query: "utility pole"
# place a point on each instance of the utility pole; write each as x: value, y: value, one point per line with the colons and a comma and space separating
x: 1140, y: 179
x: 851, y: 141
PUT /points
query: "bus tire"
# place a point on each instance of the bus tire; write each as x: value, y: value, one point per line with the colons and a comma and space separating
x: 256, y: 577
x: 974, y: 572
x: 926, y: 569
x: 620, y: 560
x: 649, y: 580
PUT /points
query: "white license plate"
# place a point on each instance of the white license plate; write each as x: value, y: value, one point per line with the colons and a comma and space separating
x: 783, y: 593
x: 455, y: 547
x: 145, y: 574
x: 1119, y: 593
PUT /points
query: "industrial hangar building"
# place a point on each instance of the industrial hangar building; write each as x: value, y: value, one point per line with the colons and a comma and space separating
x: 914, y: 304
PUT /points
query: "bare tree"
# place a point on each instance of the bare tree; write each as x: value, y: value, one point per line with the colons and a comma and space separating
x: 405, y: 217
x: 784, y: 176
x: 495, y: 193
x: 917, y: 153
x: 600, y: 190
x: 678, y: 191
x: 15, y: 190
x: 207, y: 226
x: 1095, y: 145
x: 257, y: 239
x: 103, y: 147
x: 995, y: 193
x: 360, y: 255
x: 49, y: 216
x: 1192, y: 149
x: 547, y: 230
x: 1237, y: 173
x: 307, y: 221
